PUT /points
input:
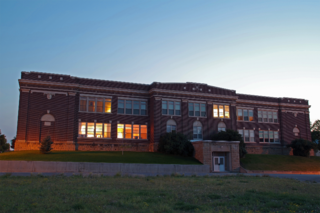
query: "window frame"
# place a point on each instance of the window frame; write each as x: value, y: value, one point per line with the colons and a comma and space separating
x: 194, y: 109
x: 251, y: 135
x: 175, y: 103
x: 248, y: 110
x: 88, y: 97
x: 273, y: 112
x: 132, y: 131
x: 218, y: 111
x: 132, y: 107
x: 193, y: 128
x: 94, y: 130
x: 269, y: 139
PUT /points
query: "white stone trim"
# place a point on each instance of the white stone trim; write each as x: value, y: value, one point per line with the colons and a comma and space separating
x: 46, y: 92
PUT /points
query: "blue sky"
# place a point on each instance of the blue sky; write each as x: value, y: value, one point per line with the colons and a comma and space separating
x: 269, y: 48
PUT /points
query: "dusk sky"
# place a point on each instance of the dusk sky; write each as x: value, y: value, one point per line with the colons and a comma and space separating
x: 268, y: 48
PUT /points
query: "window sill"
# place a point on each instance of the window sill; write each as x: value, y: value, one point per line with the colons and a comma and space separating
x: 220, y: 118
x: 92, y: 138
x: 171, y: 115
x: 246, y: 121
x: 131, y: 139
x: 270, y: 142
x: 260, y: 122
x: 109, y: 113
x: 197, y: 117
x: 132, y: 114
x: 250, y: 142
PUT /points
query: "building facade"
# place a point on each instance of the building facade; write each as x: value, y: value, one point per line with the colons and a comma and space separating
x: 88, y: 114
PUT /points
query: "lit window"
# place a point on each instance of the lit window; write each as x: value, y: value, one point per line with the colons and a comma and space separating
x: 171, y: 125
x: 215, y: 111
x: 83, y: 104
x: 221, y: 111
x: 197, y: 130
x: 82, y: 129
x: 99, y: 104
x: 221, y: 126
x: 90, y: 130
x: 107, y: 105
x: 240, y: 116
x: 226, y: 111
x: 107, y: 130
x: 99, y: 130
x: 120, y: 131
x: 92, y: 104
x: 250, y: 115
x: 136, y: 131
x: 128, y: 131
x: 144, y: 131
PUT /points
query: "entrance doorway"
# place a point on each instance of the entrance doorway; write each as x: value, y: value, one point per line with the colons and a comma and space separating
x: 219, y: 164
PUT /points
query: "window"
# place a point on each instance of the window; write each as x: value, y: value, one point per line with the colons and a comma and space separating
x: 197, y: 130
x: 94, y: 130
x: 245, y: 115
x: 221, y: 126
x: 296, y: 131
x: 95, y: 104
x: 129, y: 107
x: 132, y: 131
x: 269, y: 136
x: 268, y: 116
x: 171, y: 125
x: 197, y: 109
x: 173, y: 106
x: 247, y: 135
x: 221, y: 111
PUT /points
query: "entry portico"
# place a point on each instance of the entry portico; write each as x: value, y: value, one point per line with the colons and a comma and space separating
x: 219, y: 155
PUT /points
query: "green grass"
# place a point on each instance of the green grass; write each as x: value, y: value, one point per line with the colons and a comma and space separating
x: 281, y: 163
x: 157, y: 194
x: 107, y: 157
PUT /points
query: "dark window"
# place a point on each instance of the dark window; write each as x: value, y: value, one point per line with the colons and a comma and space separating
x: 121, y: 106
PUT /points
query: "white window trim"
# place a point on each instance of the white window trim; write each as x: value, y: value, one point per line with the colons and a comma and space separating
x: 96, y: 100
x: 243, y: 114
x: 124, y: 132
x: 94, y: 130
x: 174, y: 107
x: 132, y: 106
x: 269, y: 136
x: 194, y: 109
x: 268, y: 117
x: 243, y: 137
x: 224, y: 111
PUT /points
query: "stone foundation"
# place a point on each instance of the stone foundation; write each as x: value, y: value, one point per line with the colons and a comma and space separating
x: 59, y: 146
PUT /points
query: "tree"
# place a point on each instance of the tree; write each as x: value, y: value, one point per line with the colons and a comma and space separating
x: 175, y: 143
x: 13, y: 142
x: 315, y: 133
x: 45, y: 146
x: 232, y: 135
x: 4, y: 146
x: 315, y: 126
x: 301, y: 147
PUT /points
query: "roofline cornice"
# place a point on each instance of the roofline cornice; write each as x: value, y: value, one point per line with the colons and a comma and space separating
x: 242, y: 101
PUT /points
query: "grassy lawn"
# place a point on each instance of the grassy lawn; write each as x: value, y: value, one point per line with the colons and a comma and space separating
x: 157, y: 194
x: 107, y: 157
x: 280, y: 163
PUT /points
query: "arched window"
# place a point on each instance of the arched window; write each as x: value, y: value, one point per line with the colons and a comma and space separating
x: 47, y: 119
x: 296, y: 131
x: 221, y: 126
x: 171, y: 125
x: 197, y: 130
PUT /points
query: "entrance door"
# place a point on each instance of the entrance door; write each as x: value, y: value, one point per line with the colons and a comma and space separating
x: 218, y: 164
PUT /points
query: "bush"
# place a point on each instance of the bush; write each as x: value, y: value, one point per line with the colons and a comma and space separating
x: 175, y: 143
x: 45, y: 146
x: 232, y: 135
x: 301, y: 147
x: 13, y: 142
x: 4, y: 146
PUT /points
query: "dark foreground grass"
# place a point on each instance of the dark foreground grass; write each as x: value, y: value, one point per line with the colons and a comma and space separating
x: 281, y: 163
x: 107, y: 157
x: 157, y: 194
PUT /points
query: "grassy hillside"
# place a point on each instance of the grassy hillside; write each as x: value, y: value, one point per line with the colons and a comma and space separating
x: 281, y: 163
x: 106, y: 157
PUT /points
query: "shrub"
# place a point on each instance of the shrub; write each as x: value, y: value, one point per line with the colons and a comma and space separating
x: 301, y: 147
x: 4, y: 146
x: 13, y: 142
x: 175, y: 143
x: 232, y: 135
x: 45, y: 146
